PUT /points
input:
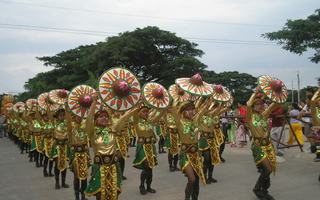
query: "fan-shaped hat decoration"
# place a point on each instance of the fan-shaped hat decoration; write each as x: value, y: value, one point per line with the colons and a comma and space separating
x: 229, y: 103
x: 156, y: 96
x: 220, y: 93
x: 32, y: 104
x: 195, y: 85
x: 80, y: 99
x: 273, y: 88
x: 58, y: 96
x: 44, y: 102
x: 184, y: 96
x: 19, y: 107
x: 119, y: 88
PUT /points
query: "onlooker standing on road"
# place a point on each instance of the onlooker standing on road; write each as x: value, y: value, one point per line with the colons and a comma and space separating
x: 275, y: 132
x: 241, y: 135
x: 295, y: 124
x: 307, y: 121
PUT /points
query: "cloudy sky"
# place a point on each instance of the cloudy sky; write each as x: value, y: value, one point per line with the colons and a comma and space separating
x: 228, y: 31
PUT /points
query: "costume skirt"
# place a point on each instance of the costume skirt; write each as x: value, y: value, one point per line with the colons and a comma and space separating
x: 260, y: 153
x: 213, y: 147
x: 62, y: 152
x: 193, y: 159
x: 82, y: 162
x: 105, y: 179
x: 172, y: 143
x: 145, y: 152
x: 122, y: 146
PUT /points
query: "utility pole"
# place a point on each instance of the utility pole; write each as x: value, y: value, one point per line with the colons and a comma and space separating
x: 298, y: 86
x: 292, y: 92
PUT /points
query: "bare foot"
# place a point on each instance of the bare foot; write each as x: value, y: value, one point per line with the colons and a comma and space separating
x: 241, y: 146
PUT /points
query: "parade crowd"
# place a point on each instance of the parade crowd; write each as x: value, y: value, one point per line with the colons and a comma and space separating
x: 191, y: 126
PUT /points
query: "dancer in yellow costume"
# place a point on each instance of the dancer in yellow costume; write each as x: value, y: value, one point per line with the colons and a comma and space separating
x: 146, y: 154
x: 105, y: 181
x: 187, y: 123
x: 80, y: 158
x: 262, y: 148
x: 208, y: 143
x: 61, y: 148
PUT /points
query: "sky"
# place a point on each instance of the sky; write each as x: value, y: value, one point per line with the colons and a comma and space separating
x: 228, y: 31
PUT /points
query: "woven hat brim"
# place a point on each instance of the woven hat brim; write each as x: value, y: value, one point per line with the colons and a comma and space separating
x: 273, y: 96
x: 109, y: 97
x: 73, y: 100
x: 151, y: 100
x: 199, y: 90
x: 53, y: 96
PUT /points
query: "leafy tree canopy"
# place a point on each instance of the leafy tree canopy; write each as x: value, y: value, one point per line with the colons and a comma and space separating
x: 150, y: 53
x: 299, y: 35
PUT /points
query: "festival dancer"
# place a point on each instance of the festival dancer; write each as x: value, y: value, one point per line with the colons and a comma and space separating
x: 187, y: 124
x: 61, y: 147
x: 47, y: 134
x: 105, y: 182
x: 80, y: 158
x: 146, y: 155
x: 161, y: 131
x: 208, y: 142
x: 35, y: 130
x: 172, y: 141
x: 315, y: 113
x: 24, y: 133
x: 122, y: 143
x: 262, y: 149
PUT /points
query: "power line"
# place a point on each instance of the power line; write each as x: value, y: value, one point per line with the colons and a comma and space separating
x: 143, y: 16
x: 105, y: 34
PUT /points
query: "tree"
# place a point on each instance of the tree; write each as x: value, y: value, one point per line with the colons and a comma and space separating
x: 299, y: 35
x: 150, y: 53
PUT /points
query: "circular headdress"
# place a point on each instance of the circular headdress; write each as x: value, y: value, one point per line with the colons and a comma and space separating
x: 195, y: 85
x: 156, y: 96
x: 273, y: 89
x: 58, y: 96
x: 229, y: 103
x: 19, y: 107
x: 119, y: 88
x: 80, y: 99
x: 44, y: 102
x: 184, y: 96
x: 220, y: 94
x: 32, y: 104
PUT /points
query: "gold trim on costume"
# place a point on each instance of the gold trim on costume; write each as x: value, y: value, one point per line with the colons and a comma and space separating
x: 62, y: 159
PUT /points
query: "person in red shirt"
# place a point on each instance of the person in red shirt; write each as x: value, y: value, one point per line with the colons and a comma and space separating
x: 275, y: 132
x: 242, y: 111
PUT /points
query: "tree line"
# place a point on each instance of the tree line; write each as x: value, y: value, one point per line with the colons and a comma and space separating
x: 156, y: 55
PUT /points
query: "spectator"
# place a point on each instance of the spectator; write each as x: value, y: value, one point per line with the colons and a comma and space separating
x: 276, y: 127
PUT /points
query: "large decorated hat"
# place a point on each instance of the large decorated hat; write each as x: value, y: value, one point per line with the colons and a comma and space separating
x: 80, y: 99
x: 32, y: 104
x: 44, y: 102
x: 156, y: 96
x: 273, y: 89
x: 58, y: 96
x: 220, y: 93
x: 229, y: 103
x: 119, y: 88
x: 184, y: 96
x: 195, y: 85
x: 19, y: 107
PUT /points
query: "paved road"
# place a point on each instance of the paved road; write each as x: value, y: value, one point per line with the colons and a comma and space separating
x: 296, y: 178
